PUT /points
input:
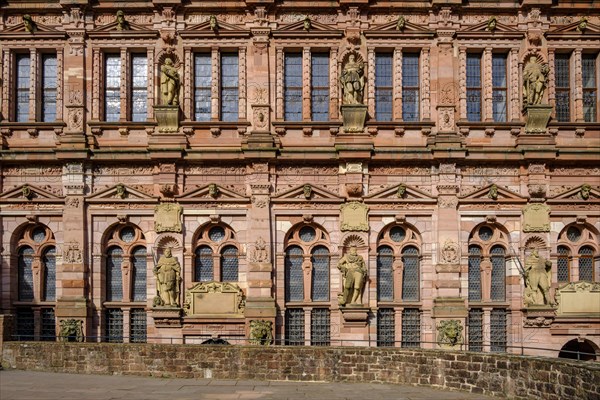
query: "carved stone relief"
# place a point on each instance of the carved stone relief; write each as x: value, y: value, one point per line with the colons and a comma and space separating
x: 167, y: 217
x: 536, y: 218
x: 353, y: 216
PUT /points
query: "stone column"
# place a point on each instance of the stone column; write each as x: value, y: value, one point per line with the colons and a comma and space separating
x: 306, y: 82
x: 462, y: 73
x: 279, y: 84
x: 426, y: 88
x: 371, y: 81
x: 397, y: 71
x: 334, y: 85
x: 515, y: 94
x: 214, y: 97
x: 578, y: 98
x: 124, y: 86
x: 488, y: 114
x: 188, y: 73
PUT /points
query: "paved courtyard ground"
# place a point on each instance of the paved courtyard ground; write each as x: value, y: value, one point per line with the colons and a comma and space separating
x: 27, y: 385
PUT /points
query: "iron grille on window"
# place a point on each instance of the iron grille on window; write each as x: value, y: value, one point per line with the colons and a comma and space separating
x: 410, y: 87
x: 202, y: 86
x: 48, y: 331
x: 586, y: 264
x: 112, y: 87
x: 563, y: 87
x: 137, y: 327
x: 139, y: 87
x: 293, y: 87
x: 294, y: 278
x: 498, y: 292
x: 203, y: 271
x: 498, y: 330
x: 385, y: 275
x: 229, y: 264
x: 383, y: 86
x: 590, y: 87
x: 499, y: 87
x: 114, y: 278
x: 411, y: 327
x: 50, y: 274
x: 25, y: 273
x: 229, y: 87
x: 475, y: 329
x: 49, y: 87
x: 562, y: 264
x: 114, y: 325
x: 320, y: 276
x: 386, y: 327
x: 294, y: 326
x: 22, y: 89
x: 320, y: 327
x: 139, y: 274
x: 319, y: 96
x: 474, y: 273
x: 410, y: 274
x: 25, y: 324
x: 474, y: 87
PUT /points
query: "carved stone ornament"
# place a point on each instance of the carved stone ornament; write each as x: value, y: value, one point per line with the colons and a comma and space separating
x: 260, y: 253
x: 401, y: 23
x: 168, y: 279
x: 122, y: 24
x: 354, y: 189
x: 450, y: 252
x: 210, y: 298
x: 27, y: 192
x: 536, y: 218
x: 29, y: 24
x: 401, y: 192
x: 493, y: 192
x: 307, y: 191
x: 578, y: 298
x: 261, y: 332
x: 584, y: 191
x: 353, y: 216
x: 167, y: 217
x: 354, y: 274
x: 535, y: 80
x: 538, y: 322
x: 450, y: 333
x: 213, y: 190
x: 71, y: 330
x: 491, y: 25
x: 170, y: 81
x: 73, y: 253
x: 538, y: 278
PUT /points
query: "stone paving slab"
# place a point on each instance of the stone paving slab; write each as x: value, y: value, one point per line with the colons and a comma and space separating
x: 30, y: 385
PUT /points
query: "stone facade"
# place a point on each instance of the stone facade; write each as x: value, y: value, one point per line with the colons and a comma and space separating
x: 252, y: 178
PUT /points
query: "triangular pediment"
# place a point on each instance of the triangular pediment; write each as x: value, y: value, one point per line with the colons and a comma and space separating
x: 110, y: 31
x: 486, y: 195
x: 586, y: 28
x: 223, y: 29
x: 211, y: 193
x: 120, y: 193
x: 41, y: 31
x: 482, y: 30
x: 297, y: 29
x: 307, y: 193
x: 391, y: 29
x: 25, y: 193
x: 113, y: 27
x: 483, y: 27
x: 400, y: 194
x: 575, y: 195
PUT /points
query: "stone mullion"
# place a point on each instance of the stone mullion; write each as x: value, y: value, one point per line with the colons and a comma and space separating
x: 151, y: 97
x: 426, y: 104
x: 307, y: 325
x: 371, y: 81
x: 215, y: 67
x: 486, y: 325
x: 7, y: 79
x: 551, y: 82
x: 33, y: 84
x: 397, y: 80
x: 514, y: 85
x: 126, y: 325
x: 306, y: 115
x: 242, y: 111
x: 487, y: 84
x: 307, y: 274
x: 97, y: 108
x: 124, y: 87
x: 578, y: 85
x: 333, y: 85
x: 462, y: 73
x: 216, y: 267
x: 37, y: 323
x: 279, y: 84
x: 398, y: 269
x: 188, y: 84
x: 59, y: 84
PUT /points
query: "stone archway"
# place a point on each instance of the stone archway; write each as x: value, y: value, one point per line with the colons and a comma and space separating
x: 579, y: 349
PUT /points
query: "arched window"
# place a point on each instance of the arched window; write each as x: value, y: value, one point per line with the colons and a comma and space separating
x: 320, y: 276
x: 586, y: 263
x: 203, y: 269
x: 25, y: 273
x: 49, y: 260
x: 576, y: 252
x: 498, y: 259
x: 229, y: 264
x: 411, y: 274
x: 563, y: 264
x: 139, y: 274
x: 385, y: 274
x: 474, y: 273
x: 294, y: 278
x: 114, y: 277
x: 216, y: 254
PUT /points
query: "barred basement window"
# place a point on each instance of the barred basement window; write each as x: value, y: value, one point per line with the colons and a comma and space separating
x: 25, y: 324
x: 499, y: 97
x: 114, y: 277
x: 386, y: 327
x: 293, y: 87
x: 294, y: 327
x: 411, y: 274
x: 498, y: 292
x: 48, y: 331
x: 137, y: 326
x: 202, y: 86
x: 410, y: 87
x: 229, y: 87
x: 114, y: 325
x: 294, y: 277
x: 383, y: 86
x: 474, y: 273
x: 475, y: 329
x: 385, y: 274
x: 229, y: 264
x: 49, y: 260
x: 474, y: 87
x: 320, y: 327
x: 320, y: 275
x: 139, y: 274
x: 563, y: 264
x: 203, y: 271
x: 498, y: 330
x: 25, y: 261
x: 563, y: 87
x: 590, y: 87
x: 586, y: 264
x: 411, y: 327
x: 320, y: 87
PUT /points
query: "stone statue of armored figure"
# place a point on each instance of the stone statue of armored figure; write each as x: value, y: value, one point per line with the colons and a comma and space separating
x: 168, y: 280
x: 354, y: 273
x: 535, y: 81
x: 352, y: 81
x: 170, y: 82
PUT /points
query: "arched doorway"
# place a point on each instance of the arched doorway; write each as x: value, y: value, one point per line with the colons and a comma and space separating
x: 583, y: 350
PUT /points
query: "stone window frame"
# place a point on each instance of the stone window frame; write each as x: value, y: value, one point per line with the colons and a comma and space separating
x: 201, y: 238
x: 38, y: 303
x: 588, y: 238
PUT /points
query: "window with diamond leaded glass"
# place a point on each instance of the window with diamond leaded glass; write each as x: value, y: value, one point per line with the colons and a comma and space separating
x: 385, y: 274
x: 202, y: 86
x: 563, y: 267
x: 25, y: 324
x: 229, y: 87
x: 216, y: 254
x: 590, y: 87
x: 474, y: 273
x: 498, y: 291
x: 293, y: 87
x: 139, y: 87
x: 25, y: 262
x: 139, y: 274
x: 562, y: 78
x: 49, y: 87
x: 475, y: 329
x: 474, y: 87
x: 410, y: 274
x: 114, y: 325
x: 498, y: 330
x: 320, y: 327
x: 294, y: 327
x: 203, y: 271
x: 386, y: 327
x: 294, y: 277
x: 137, y: 325
x: 112, y: 87
x: 320, y: 275
x: 499, y: 97
x: 229, y: 264
x: 586, y: 263
x: 410, y: 86
x: 319, y: 96
x: 411, y: 327
x: 383, y: 86
x: 48, y: 331
x: 23, y: 84
x: 49, y: 260
x: 114, y: 278
x: 136, y: 95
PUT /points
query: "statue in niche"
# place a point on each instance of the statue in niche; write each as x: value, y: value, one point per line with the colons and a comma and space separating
x: 29, y: 24
x: 122, y: 24
x: 169, y: 83
x: 535, y: 80
x: 168, y: 277
x: 354, y: 275
x: 537, y: 280
x: 353, y: 81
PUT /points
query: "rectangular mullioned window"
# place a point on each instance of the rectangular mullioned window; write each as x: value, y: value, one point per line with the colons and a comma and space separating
x: 22, y: 87
x: 499, y: 88
x: 292, y: 87
x: 410, y: 87
x: 319, y: 95
x: 229, y: 91
x: 386, y: 327
x: 320, y: 332
x: 562, y: 76
x: 49, y: 88
x: 498, y: 330
x: 411, y: 327
x: 383, y: 86
x: 590, y: 87
x: 202, y: 86
x: 474, y: 87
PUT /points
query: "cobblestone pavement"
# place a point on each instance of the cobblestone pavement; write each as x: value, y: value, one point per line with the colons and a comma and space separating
x: 28, y: 385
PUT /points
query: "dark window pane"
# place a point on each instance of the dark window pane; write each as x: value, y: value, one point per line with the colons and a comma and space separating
x: 114, y: 325
x: 112, y: 87
x: 562, y: 265
x: 49, y: 260
x: 25, y: 274
x: 498, y: 330
x: 137, y: 326
x: 474, y: 87
x: 385, y: 274
x: 216, y: 234
x: 139, y: 274
x: 474, y: 273
x: 25, y: 324
x: 114, y: 278
x: 294, y: 326
x: 397, y: 234
x: 229, y: 264
x: 139, y: 92
x: 475, y: 329
x: 204, y: 269
x: 410, y: 274
x: 293, y: 87
x: 499, y: 101
x: 294, y: 277
x: 383, y: 86
x: 202, y: 86
x: 410, y: 87
x: 49, y: 87
x: 586, y: 264
x: 23, y: 84
x: 386, y: 327
x: 320, y: 276
x: 498, y: 274
x: 411, y: 327
x: 307, y: 234
x: 320, y: 327
x: 229, y: 87
x: 127, y: 234
x: 48, y: 331
x: 590, y: 87
x: 320, y: 86
x: 563, y: 87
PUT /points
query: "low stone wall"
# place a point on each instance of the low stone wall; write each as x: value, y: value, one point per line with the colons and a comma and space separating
x: 491, y: 374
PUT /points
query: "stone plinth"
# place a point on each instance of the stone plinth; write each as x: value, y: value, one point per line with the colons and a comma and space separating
x: 354, y: 116
x: 355, y: 315
x: 537, y: 118
x: 167, y: 317
x: 167, y: 118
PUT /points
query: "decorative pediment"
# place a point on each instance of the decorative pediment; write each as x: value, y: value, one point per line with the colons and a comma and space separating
x: 400, y: 194
x: 299, y: 29
x: 307, y: 193
x: 211, y: 193
x: 207, y: 29
x: 492, y: 194
x: 483, y: 31
x: 581, y: 194
x: 110, y: 31
x: 392, y: 29
x: 577, y: 30
x: 121, y: 193
x: 40, y: 31
x: 25, y: 193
